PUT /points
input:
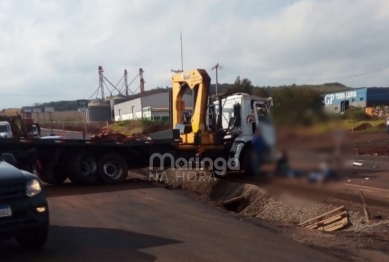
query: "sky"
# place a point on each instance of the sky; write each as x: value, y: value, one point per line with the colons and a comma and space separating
x: 50, y: 50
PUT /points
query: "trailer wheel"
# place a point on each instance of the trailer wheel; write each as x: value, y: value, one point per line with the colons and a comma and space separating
x: 52, y: 176
x: 112, y: 169
x: 82, y: 169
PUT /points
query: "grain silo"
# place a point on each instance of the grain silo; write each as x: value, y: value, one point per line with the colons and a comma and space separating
x: 117, y: 100
x: 99, y: 111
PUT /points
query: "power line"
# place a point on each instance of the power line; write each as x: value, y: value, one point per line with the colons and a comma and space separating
x: 355, y: 75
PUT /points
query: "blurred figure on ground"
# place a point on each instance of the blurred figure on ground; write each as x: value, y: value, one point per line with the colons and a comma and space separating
x: 326, y: 174
x: 83, y: 134
x: 283, y: 167
x: 258, y: 149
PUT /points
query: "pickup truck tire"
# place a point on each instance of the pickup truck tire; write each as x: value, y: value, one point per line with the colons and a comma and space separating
x: 34, y: 238
x: 82, y: 169
x: 112, y: 169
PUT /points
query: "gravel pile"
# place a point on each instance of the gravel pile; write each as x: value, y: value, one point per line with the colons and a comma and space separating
x: 359, y: 225
x: 262, y: 205
x: 196, y: 180
x: 290, y: 210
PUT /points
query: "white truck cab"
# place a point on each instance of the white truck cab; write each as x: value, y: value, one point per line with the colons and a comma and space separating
x: 35, y: 131
x: 5, y: 130
x: 241, y: 115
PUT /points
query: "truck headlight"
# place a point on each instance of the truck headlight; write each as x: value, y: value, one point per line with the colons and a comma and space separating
x: 33, y: 188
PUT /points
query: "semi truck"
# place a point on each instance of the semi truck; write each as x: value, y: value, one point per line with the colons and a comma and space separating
x: 20, y: 122
x: 220, y: 126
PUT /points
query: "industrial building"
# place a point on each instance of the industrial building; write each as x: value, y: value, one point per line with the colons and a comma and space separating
x: 154, y: 106
x: 365, y: 97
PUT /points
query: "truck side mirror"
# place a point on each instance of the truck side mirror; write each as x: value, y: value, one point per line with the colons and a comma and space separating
x: 9, y: 158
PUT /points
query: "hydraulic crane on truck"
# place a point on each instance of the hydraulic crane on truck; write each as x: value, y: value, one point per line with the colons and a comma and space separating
x: 224, y: 128
x: 221, y: 128
x: 196, y: 133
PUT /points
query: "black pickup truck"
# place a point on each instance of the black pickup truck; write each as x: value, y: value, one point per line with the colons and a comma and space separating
x: 24, y: 212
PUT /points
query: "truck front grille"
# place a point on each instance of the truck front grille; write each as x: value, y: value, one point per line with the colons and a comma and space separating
x: 12, y: 191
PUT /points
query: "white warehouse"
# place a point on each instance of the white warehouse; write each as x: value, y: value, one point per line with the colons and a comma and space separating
x: 154, y: 106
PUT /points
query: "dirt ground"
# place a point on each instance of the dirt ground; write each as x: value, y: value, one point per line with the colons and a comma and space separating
x: 281, y: 206
x: 283, y: 210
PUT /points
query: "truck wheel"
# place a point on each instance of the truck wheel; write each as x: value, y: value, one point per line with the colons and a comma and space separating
x: 112, y: 169
x: 82, y: 169
x: 35, y: 238
x: 39, y: 174
x: 52, y: 176
x: 246, y: 160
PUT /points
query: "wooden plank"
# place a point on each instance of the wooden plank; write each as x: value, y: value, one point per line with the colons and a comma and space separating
x: 344, y: 223
x: 232, y: 200
x: 328, y: 221
x: 365, y: 210
x: 323, y: 215
x: 335, y: 226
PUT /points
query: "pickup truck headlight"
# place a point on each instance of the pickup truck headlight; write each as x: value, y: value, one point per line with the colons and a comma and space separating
x: 33, y: 188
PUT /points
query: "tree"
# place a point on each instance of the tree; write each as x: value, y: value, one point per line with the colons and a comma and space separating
x: 241, y: 85
x: 260, y: 91
x: 294, y: 105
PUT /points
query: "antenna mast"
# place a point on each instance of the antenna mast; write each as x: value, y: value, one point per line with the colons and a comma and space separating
x: 182, y: 54
x: 182, y: 59
x: 216, y: 68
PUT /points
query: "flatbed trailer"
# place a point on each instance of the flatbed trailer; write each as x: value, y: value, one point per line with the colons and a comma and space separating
x: 86, y: 162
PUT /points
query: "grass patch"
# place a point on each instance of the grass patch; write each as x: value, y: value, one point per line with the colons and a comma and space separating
x: 139, y: 127
x: 372, y: 126
x: 354, y: 123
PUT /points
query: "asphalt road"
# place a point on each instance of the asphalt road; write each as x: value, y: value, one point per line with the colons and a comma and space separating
x: 66, y: 134
x: 136, y: 222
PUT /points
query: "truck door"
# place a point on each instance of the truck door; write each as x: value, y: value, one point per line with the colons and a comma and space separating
x: 263, y: 121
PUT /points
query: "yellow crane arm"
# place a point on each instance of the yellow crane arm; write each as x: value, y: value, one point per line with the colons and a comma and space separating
x: 199, y: 81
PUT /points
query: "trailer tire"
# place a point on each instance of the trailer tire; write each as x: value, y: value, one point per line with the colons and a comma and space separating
x: 52, y: 176
x: 112, y: 169
x: 82, y: 169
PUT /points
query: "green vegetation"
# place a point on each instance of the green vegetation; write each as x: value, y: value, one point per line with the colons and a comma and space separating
x: 356, y: 114
x: 294, y: 106
x: 137, y: 127
x: 58, y: 106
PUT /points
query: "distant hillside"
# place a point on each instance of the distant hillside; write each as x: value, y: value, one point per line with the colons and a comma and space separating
x: 243, y: 86
x: 322, y: 89
x: 57, y: 105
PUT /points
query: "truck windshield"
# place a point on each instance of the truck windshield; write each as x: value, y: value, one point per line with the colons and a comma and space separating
x: 262, y: 113
x: 4, y: 129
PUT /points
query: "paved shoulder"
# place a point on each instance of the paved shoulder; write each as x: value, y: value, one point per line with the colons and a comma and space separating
x: 133, y: 222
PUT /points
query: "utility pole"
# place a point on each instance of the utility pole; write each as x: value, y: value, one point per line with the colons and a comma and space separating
x: 216, y: 68
x: 344, y: 100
